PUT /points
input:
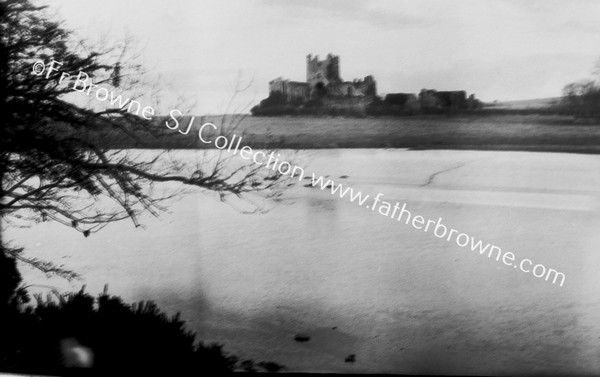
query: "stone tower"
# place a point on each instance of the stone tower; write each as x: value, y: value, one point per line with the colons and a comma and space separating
x: 322, y: 72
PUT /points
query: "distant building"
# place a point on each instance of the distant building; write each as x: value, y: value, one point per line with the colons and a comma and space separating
x: 433, y: 99
x: 325, y: 92
x: 289, y: 91
x: 322, y: 79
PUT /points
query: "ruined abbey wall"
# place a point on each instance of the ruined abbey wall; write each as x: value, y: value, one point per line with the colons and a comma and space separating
x: 325, y: 90
x: 290, y: 91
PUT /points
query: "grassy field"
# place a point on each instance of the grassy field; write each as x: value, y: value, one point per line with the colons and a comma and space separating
x: 481, y: 132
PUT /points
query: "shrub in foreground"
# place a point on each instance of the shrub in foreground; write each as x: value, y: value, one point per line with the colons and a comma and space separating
x: 108, y: 335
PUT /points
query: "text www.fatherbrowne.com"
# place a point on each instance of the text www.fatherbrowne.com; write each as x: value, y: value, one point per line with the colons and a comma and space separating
x: 399, y: 212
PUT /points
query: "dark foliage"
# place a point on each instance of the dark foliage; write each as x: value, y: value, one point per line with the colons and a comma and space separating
x: 428, y: 102
x: 582, y: 99
x: 124, y: 338
x: 137, y: 338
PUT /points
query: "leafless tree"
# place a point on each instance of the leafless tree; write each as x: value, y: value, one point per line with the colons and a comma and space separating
x: 58, y: 158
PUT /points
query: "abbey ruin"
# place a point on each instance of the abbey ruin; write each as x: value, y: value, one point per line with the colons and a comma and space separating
x: 322, y: 79
x: 325, y: 92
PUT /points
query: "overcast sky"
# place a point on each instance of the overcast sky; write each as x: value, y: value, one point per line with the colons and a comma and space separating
x: 503, y: 50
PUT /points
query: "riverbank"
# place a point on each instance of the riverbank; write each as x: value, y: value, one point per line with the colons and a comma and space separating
x: 530, y: 132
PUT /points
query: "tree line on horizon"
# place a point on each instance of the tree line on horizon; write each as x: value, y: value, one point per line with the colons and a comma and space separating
x: 582, y: 98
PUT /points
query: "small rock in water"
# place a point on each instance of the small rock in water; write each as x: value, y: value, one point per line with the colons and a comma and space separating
x: 271, y: 366
x: 350, y: 358
x: 301, y: 338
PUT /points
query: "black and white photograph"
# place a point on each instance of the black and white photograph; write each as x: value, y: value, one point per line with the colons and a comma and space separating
x: 402, y: 187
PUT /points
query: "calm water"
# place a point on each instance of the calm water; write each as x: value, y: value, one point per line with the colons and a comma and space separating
x: 359, y: 283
